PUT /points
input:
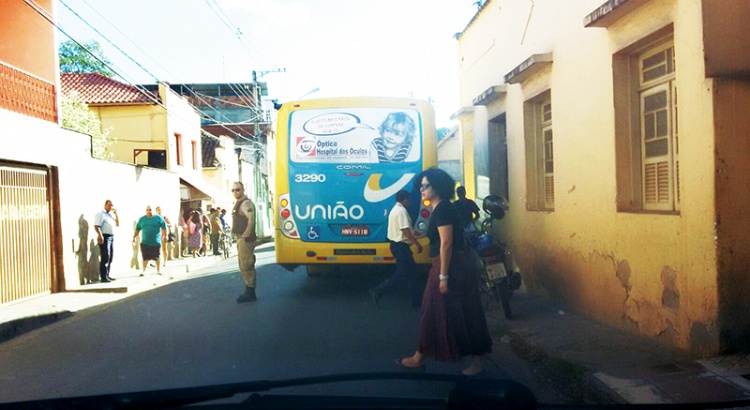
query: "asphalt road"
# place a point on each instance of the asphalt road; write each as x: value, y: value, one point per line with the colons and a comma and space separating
x: 193, y: 333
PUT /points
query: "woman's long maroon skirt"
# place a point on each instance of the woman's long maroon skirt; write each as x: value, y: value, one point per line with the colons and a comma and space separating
x: 452, y: 326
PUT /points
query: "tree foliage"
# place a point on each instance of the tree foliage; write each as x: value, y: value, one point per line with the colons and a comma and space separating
x: 75, y: 59
x: 77, y: 117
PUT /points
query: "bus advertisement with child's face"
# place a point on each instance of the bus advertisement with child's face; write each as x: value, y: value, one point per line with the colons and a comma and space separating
x: 345, y: 165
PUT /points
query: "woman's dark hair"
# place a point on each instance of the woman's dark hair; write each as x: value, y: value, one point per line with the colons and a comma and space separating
x: 442, y: 183
x: 195, y: 217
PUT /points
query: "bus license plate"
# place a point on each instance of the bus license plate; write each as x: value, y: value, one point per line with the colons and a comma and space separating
x: 355, y: 231
x: 496, y: 271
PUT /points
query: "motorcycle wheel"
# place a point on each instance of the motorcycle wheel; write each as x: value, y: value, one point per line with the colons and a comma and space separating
x: 503, y: 293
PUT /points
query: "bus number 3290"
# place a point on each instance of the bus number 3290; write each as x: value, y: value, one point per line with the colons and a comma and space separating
x: 309, y: 178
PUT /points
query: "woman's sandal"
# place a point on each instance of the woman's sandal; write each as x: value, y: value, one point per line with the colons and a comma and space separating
x: 400, y: 363
x: 465, y: 372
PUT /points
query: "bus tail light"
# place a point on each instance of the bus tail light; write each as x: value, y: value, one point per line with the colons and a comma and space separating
x: 287, y: 225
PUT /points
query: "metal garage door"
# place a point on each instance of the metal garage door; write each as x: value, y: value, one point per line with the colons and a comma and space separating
x: 25, y: 249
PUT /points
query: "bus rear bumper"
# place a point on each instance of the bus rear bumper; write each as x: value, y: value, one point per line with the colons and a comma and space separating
x: 291, y: 255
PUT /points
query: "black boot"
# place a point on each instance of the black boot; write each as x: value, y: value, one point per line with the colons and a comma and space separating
x: 248, y: 296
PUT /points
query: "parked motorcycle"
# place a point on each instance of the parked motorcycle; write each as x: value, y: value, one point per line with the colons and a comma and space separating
x: 500, y: 275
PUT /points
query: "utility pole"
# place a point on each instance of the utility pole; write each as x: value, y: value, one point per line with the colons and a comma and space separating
x: 256, y: 134
x: 257, y: 137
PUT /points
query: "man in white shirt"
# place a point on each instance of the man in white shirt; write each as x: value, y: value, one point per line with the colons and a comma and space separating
x: 400, y: 236
x: 104, y: 225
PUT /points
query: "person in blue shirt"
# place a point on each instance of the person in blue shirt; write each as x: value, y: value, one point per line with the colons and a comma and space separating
x: 153, y: 228
x: 222, y: 213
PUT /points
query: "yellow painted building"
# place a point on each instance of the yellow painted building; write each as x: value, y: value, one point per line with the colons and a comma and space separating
x: 152, y: 126
x: 617, y: 132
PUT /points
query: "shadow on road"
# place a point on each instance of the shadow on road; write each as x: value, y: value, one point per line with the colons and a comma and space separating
x: 271, y: 248
x: 349, y: 283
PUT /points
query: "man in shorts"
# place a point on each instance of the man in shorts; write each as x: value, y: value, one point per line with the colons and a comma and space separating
x: 154, y: 228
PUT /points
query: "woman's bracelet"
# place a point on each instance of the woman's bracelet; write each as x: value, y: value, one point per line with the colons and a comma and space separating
x: 443, y: 277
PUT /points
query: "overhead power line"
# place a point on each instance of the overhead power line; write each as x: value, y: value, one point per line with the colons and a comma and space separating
x: 236, y: 31
x: 120, y: 49
x: 42, y: 12
x: 125, y: 36
x: 109, y: 41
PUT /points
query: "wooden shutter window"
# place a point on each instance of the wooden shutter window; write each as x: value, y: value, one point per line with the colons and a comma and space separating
x: 656, y: 131
x: 549, y: 191
x: 656, y: 183
x: 547, y: 154
x: 549, y: 169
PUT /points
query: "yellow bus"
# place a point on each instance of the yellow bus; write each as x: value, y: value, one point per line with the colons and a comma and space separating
x: 339, y: 163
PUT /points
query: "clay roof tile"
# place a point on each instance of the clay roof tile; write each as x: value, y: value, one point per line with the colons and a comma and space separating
x: 97, y: 89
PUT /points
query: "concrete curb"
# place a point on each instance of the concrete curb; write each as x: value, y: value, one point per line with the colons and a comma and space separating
x: 567, y: 375
x: 17, y: 327
x: 598, y: 392
x: 573, y: 378
x: 591, y: 362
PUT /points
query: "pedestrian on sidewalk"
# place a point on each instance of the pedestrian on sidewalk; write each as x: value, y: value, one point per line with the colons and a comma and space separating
x: 165, y: 239
x: 215, y: 231
x: 451, y: 323
x: 185, y: 228
x: 243, y: 225
x: 206, y: 223
x: 400, y: 237
x: 195, y: 238
x: 154, y: 228
x: 223, y: 221
x: 104, y: 224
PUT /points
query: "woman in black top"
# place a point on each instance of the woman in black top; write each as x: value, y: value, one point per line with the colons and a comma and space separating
x: 451, y: 323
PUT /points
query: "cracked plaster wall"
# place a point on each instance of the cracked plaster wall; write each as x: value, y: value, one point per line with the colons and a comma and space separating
x: 648, y: 272
x: 651, y: 300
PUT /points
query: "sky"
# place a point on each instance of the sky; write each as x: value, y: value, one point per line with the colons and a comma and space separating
x: 302, y: 49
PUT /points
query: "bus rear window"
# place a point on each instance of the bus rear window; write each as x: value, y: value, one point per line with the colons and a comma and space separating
x: 355, y: 135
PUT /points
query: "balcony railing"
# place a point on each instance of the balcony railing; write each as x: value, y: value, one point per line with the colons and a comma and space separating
x: 26, y: 94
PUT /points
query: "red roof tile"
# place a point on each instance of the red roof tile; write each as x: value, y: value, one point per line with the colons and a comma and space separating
x: 95, y: 88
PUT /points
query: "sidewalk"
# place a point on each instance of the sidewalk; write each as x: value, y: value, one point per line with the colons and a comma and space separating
x: 600, y: 364
x: 29, y: 314
x: 20, y: 317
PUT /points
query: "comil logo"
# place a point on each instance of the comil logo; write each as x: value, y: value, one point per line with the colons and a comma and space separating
x: 306, y: 146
